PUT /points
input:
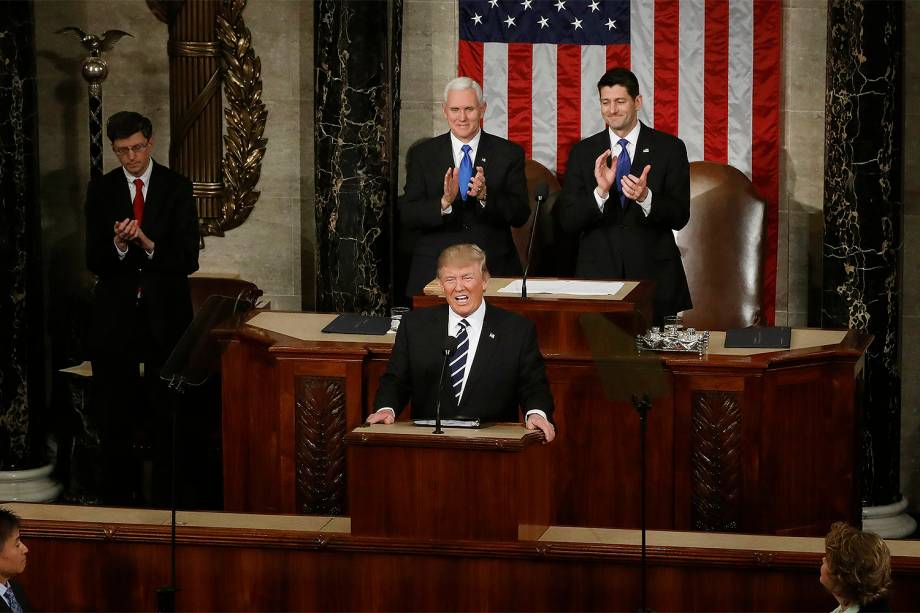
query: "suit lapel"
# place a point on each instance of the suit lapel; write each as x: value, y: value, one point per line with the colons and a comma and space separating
x: 124, y: 209
x: 155, y: 194
x: 644, y: 150
x: 438, y: 330
x: 483, y: 153
x: 485, y: 351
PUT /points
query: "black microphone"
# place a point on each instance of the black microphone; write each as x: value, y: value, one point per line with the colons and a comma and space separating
x: 448, y: 348
x: 540, y: 193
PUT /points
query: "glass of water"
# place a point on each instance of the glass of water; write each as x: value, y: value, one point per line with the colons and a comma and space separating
x: 673, y: 324
x: 396, y: 314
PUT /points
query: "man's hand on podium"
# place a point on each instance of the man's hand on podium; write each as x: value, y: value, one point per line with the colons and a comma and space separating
x: 383, y: 416
x: 534, y: 422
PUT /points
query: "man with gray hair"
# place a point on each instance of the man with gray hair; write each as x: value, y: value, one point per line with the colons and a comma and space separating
x: 464, y: 186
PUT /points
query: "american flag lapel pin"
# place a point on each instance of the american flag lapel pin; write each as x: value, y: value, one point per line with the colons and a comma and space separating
x: 645, y: 150
x: 492, y: 335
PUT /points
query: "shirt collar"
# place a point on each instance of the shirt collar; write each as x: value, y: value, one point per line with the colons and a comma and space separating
x: 474, y: 319
x: 632, y: 137
x: 456, y: 143
x: 3, y: 589
x: 145, y: 177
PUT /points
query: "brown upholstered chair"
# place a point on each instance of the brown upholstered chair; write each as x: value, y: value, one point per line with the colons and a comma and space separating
x: 537, y: 173
x: 722, y: 248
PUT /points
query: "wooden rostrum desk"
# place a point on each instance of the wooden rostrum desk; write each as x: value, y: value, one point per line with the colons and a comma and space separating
x: 763, y: 443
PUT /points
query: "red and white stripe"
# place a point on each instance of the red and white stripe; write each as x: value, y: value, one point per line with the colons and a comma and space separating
x: 708, y: 70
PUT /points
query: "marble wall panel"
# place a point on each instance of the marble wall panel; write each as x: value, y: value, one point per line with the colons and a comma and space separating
x: 21, y: 359
x: 910, y: 322
x: 910, y: 411
x: 863, y: 216
x: 356, y: 98
x: 430, y: 60
x: 308, y: 259
x: 804, y: 47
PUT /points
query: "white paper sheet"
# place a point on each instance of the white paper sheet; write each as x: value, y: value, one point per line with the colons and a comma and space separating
x: 564, y: 286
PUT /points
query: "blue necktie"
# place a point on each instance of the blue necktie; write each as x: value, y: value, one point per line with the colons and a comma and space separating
x: 623, y: 167
x: 466, y: 171
x: 458, y: 364
x: 15, y: 607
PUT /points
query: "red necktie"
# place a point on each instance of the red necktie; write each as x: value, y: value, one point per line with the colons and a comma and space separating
x: 138, y: 200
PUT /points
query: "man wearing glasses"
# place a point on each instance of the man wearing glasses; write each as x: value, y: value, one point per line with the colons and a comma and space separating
x: 141, y: 243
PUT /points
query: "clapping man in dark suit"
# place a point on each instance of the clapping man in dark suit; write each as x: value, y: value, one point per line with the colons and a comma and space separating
x: 12, y: 562
x: 626, y: 190
x: 496, y: 368
x: 465, y: 186
x: 142, y: 243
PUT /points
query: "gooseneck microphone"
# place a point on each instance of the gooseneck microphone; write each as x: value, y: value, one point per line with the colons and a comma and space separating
x: 448, y: 348
x: 540, y: 193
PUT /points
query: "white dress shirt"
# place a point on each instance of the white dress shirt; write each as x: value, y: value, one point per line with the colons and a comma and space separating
x: 456, y: 146
x: 473, y: 330
x: 615, y: 148
x: 145, y: 177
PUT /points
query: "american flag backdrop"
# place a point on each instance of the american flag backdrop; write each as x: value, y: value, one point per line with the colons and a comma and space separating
x: 708, y: 70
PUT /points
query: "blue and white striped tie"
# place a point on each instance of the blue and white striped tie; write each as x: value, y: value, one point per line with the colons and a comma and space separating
x: 458, y: 364
x: 15, y: 607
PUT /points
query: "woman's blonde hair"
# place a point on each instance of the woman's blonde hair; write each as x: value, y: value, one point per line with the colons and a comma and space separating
x: 859, y: 563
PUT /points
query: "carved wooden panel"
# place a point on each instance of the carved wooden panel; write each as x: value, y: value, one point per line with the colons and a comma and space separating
x: 319, y: 443
x: 715, y: 458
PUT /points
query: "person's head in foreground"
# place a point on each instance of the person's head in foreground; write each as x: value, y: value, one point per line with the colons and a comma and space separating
x: 856, y: 568
x: 12, y: 550
x: 463, y: 276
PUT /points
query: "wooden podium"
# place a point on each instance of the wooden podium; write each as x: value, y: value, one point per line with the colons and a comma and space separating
x: 742, y: 441
x: 492, y: 483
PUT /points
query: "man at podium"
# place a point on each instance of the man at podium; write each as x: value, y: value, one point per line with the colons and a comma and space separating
x: 495, y: 368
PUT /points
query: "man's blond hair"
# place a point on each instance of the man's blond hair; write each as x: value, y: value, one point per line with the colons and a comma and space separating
x: 461, y: 255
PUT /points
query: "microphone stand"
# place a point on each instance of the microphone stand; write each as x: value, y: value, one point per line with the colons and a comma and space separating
x: 541, y: 195
x: 450, y: 345
x: 642, y: 405
x: 166, y: 596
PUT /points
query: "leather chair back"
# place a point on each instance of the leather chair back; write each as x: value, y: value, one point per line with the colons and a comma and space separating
x: 537, y: 173
x: 722, y: 248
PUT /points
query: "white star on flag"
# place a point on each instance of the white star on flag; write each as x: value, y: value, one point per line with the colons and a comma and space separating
x: 577, y: 23
x: 544, y: 22
x: 526, y: 4
x: 594, y: 6
x: 494, y: 3
x: 510, y: 21
x: 611, y: 24
x: 477, y: 19
x: 560, y: 4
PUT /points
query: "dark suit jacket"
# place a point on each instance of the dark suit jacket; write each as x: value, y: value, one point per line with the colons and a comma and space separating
x: 621, y: 243
x: 489, y: 227
x: 171, y: 221
x: 20, y: 598
x: 507, y: 370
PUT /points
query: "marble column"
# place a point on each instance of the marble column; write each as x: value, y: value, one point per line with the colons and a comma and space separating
x: 21, y: 362
x: 862, y: 217
x: 357, y: 47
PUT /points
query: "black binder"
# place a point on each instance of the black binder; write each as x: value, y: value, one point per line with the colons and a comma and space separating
x: 355, y: 323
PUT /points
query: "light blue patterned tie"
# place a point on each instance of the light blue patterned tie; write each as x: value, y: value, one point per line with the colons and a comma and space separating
x: 458, y: 364
x: 466, y: 171
x: 623, y: 167
x: 11, y: 598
